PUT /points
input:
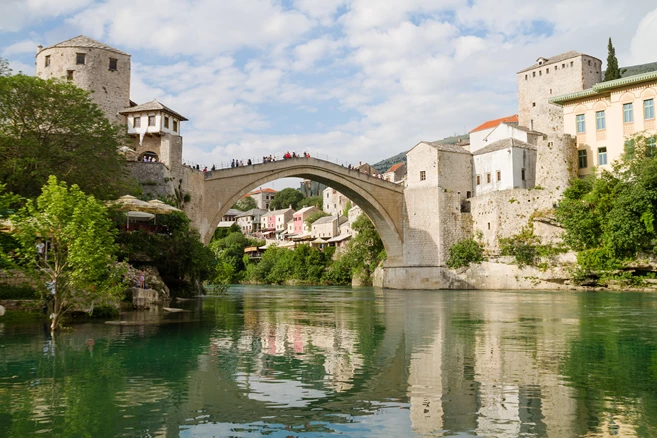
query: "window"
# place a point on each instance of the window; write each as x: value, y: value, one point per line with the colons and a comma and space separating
x: 489, y: 225
x: 468, y: 195
x: 581, y: 159
x: 572, y: 63
x: 423, y: 175
x: 649, y: 109
x: 602, y: 156
x: 533, y: 104
x: 600, y: 122
x: 651, y: 146
x: 540, y: 72
x: 113, y: 64
x: 563, y: 65
x: 499, y: 175
x: 175, y: 126
x: 628, y: 113
x: 151, y: 120
x: 547, y: 71
x: 550, y: 90
x: 478, y: 179
x: 581, y: 125
x: 80, y: 58
x: 522, y: 174
x: 47, y: 61
x: 556, y: 67
x: 488, y: 178
x: 526, y: 76
x: 69, y: 75
x: 166, y: 122
x: 533, y: 74
x: 137, y: 122
x: 589, y: 62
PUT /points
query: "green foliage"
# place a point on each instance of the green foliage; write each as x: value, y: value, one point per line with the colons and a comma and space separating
x: 347, y: 207
x: 8, y: 243
x: 314, y: 217
x: 286, y: 198
x: 312, y: 201
x: 80, y: 262
x: 526, y: 248
x: 8, y: 292
x: 4, y: 68
x: 228, y: 248
x: 613, y: 71
x: 610, y: 217
x: 464, y: 253
x: 181, y: 258
x: 53, y: 128
x: 245, y: 204
x: 366, y: 249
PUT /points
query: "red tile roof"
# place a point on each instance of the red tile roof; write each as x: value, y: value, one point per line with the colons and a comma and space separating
x: 493, y: 123
x: 395, y: 167
x: 267, y: 190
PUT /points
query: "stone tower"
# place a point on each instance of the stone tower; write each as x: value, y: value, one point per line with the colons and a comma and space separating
x: 561, y: 74
x: 93, y: 66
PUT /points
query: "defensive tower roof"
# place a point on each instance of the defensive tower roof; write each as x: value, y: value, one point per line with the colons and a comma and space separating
x: 83, y: 41
x: 153, y: 105
x: 553, y: 60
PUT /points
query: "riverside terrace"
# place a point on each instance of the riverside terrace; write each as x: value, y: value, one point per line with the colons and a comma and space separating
x: 381, y: 200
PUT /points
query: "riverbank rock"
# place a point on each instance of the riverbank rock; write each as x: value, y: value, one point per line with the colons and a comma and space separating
x: 144, y: 298
x: 2, y: 311
x: 151, y: 278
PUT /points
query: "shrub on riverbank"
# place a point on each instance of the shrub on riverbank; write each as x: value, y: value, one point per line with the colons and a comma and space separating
x: 465, y: 252
x: 8, y: 292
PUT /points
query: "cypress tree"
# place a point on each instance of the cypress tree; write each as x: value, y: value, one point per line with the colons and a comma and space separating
x: 612, y: 72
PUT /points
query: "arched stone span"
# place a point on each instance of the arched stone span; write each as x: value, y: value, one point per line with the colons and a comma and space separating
x: 381, y: 200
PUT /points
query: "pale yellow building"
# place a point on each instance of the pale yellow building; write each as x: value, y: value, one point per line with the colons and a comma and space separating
x: 601, y: 118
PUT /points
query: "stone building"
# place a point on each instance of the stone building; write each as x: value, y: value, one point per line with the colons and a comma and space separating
x: 603, y: 116
x: 93, y: 66
x: 276, y: 221
x: 396, y: 173
x: 299, y: 225
x: 250, y: 221
x: 334, y: 201
x: 565, y: 73
x: 327, y: 227
x: 263, y: 197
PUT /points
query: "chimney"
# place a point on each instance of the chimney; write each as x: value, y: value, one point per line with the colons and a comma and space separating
x: 39, y: 48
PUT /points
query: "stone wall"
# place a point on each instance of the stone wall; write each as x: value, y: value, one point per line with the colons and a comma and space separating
x: 110, y: 89
x: 486, y: 275
x: 154, y: 178
x: 537, y: 85
x: 15, y: 278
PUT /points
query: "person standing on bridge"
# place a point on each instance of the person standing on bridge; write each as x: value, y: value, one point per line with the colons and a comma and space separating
x: 232, y: 164
x: 248, y: 162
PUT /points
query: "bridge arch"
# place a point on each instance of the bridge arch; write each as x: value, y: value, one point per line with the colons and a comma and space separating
x: 381, y: 200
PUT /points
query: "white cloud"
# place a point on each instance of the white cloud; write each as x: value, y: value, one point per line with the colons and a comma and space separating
x: 26, y: 46
x: 192, y: 27
x: 18, y: 13
x: 643, y: 48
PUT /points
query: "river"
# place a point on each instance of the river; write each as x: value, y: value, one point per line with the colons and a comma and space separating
x: 282, y: 361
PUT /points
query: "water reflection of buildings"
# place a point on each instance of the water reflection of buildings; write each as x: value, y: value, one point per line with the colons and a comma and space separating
x: 485, y: 371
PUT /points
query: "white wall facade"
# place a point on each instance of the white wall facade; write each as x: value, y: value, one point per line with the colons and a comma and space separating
x: 510, y: 163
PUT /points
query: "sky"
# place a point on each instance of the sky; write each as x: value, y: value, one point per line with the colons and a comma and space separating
x: 355, y: 81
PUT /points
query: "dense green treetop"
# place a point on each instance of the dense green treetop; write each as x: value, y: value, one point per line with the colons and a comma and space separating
x: 312, y: 201
x: 286, y: 198
x: 245, y: 204
x: 314, y: 217
x: 51, y: 127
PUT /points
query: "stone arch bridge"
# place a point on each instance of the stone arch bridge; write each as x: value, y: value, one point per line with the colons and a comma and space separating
x: 381, y: 200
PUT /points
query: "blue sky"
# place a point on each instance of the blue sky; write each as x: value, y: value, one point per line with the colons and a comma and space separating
x: 360, y: 80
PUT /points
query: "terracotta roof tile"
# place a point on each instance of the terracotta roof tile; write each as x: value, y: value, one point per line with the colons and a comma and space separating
x: 395, y: 167
x: 493, y: 123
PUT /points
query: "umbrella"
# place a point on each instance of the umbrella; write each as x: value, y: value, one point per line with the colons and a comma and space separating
x: 130, y: 203
x: 159, y: 207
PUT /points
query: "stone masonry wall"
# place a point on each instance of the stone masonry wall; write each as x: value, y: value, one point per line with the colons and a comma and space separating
x: 110, y: 90
x: 154, y: 178
x: 536, y: 86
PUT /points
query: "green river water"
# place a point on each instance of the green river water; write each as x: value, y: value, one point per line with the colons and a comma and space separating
x: 282, y: 362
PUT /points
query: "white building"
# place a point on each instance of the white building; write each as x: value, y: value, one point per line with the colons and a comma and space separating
x: 334, y: 201
x: 249, y: 221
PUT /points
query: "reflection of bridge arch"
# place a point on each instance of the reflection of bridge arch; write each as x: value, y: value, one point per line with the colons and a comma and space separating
x: 381, y: 200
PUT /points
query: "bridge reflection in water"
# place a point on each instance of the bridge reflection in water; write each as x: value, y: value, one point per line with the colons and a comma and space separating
x: 288, y: 361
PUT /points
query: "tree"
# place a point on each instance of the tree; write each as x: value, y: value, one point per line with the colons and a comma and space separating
x: 4, y: 68
x: 286, y: 198
x: 314, y: 217
x: 312, y: 201
x: 78, y: 260
x: 8, y: 243
x: 53, y: 128
x: 245, y: 204
x: 366, y: 250
x: 612, y: 72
